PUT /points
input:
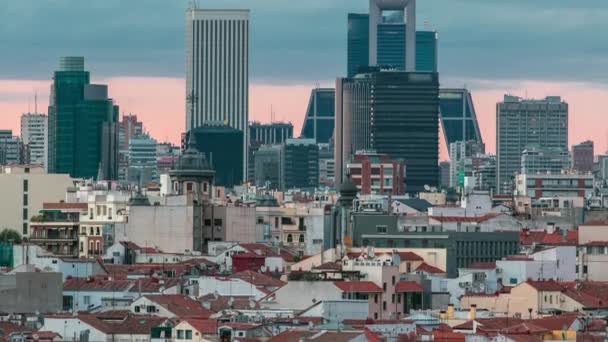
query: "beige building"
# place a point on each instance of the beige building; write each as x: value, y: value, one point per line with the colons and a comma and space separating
x: 24, y: 189
x: 592, y: 258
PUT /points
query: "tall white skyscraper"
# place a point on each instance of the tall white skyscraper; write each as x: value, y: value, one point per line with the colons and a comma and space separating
x: 217, y: 68
x: 34, y: 133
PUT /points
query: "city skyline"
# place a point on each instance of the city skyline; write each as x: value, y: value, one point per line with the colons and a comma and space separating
x: 162, y: 90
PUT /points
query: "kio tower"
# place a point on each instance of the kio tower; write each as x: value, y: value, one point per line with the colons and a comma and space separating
x: 217, y: 69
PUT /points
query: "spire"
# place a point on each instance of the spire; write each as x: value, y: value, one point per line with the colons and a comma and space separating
x: 191, y: 144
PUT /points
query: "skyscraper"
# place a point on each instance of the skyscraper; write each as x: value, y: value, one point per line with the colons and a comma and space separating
x: 390, y: 40
x: 522, y: 123
x: 461, y: 153
x: 299, y: 164
x: 582, y: 156
x: 319, y: 119
x: 34, y: 136
x: 544, y: 160
x: 11, y: 148
x: 82, y: 132
x: 128, y: 127
x: 404, y: 123
x: 217, y: 70
x: 265, y: 134
x: 458, y: 116
x: 142, y: 160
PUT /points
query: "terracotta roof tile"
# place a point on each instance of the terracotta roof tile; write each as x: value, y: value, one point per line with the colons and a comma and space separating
x: 426, y: 268
x: 204, y: 326
x: 545, y: 285
x: 482, y: 266
x: 358, y: 286
x: 258, y: 279
x: 181, y: 306
x: 408, y: 286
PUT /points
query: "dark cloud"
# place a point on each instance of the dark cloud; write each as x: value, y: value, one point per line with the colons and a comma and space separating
x: 305, y: 41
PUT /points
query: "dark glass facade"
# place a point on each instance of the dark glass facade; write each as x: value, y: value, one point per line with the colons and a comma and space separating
x: 223, y: 147
x: 458, y: 117
x: 79, y: 145
x: 319, y: 120
x: 299, y: 164
x: 391, y: 46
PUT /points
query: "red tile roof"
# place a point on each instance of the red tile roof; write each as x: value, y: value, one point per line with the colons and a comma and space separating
x: 426, y: 268
x: 204, y: 326
x: 96, y: 284
x: 408, y: 286
x: 262, y: 249
x: 545, y: 285
x: 448, y: 336
x: 482, y: 266
x: 132, y: 324
x: 558, y: 322
x: 322, y: 336
x: 65, y: 206
x: 595, y: 244
x: 240, y: 326
x: 218, y: 303
x: 525, y: 338
x: 358, y: 286
x: 557, y: 238
x: 463, y: 219
x: 335, y: 266
x: 258, y: 279
x: 153, y: 285
x: 181, y: 306
x: 595, y: 223
x: 409, y: 256
x: 7, y: 328
x: 525, y: 328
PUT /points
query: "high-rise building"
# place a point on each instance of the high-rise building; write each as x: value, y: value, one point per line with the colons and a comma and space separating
x: 319, y: 118
x: 267, y: 163
x: 522, y: 123
x: 11, y: 148
x: 142, y: 160
x: 327, y: 165
x: 485, y: 173
x: 222, y: 146
x: 128, y: 127
x: 299, y: 164
x: 544, y: 160
x: 378, y: 174
x: 461, y: 153
x: 385, y: 37
x: 82, y: 132
x: 265, y: 134
x: 582, y: 156
x: 217, y: 71
x: 444, y: 174
x: 458, y: 117
x: 34, y: 136
x: 404, y: 123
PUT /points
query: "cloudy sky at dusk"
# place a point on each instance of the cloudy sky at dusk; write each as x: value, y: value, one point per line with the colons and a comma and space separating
x: 538, y: 48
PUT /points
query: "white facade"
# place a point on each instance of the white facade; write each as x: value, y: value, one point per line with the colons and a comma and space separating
x: 557, y: 263
x: 228, y: 287
x: 104, y: 212
x: 217, y: 69
x: 24, y: 190
x: 34, y: 134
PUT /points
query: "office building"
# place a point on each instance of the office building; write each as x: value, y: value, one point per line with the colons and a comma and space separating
x: 128, y: 127
x: 376, y: 174
x: 299, y: 164
x: 382, y: 40
x: 521, y: 123
x: 24, y: 190
x: 222, y: 145
x: 11, y: 148
x: 485, y: 173
x: 319, y: 117
x: 267, y: 163
x: 444, y: 174
x: 545, y: 185
x: 34, y: 136
x: 142, y: 160
x: 327, y: 165
x: 458, y: 116
x: 82, y: 124
x: 265, y: 134
x: 582, y: 156
x: 461, y: 153
x: 545, y: 160
x: 217, y: 71
x: 167, y: 156
x: 404, y: 123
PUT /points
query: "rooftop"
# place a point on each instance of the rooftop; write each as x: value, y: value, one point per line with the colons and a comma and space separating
x: 358, y: 286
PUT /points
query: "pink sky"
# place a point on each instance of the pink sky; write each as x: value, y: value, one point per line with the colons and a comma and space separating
x: 159, y: 103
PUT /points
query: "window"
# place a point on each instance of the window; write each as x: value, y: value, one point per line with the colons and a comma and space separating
x: 188, y: 188
x: 408, y: 267
x: 384, y: 305
x: 97, y: 231
x: 91, y: 231
x: 376, y: 298
x: 25, y: 200
x: 207, y: 222
x: 393, y: 280
x: 81, y: 246
x: 398, y: 298
x: 98, y: 247
x: 91, y: 247
x: 204, y: 187
x: 150, y: 309
x: 180, y: 334
x: 25, y: 230
x: 86, y: 300
x: 260, y: 220
x: 584, y: 269
x: 217, y: 222
x: 25, y: 214
x: 25, y: 185
x: 301, y: 238
x: 289, y: 238
x: 513, y: 281
x: 276, y: 222
x: 137, y: 309
x: 383, y: 286
x: 27, y: 170
x: 375, y: 315
x: 188, y: 334
x: 382, y: 229
x: 393, y: 298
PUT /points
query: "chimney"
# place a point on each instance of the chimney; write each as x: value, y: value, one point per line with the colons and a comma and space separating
x: 472, y: 312
x: 450, y: 313
x: 442, y: 315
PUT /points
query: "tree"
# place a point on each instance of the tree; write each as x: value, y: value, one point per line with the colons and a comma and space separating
x: 10, y: 235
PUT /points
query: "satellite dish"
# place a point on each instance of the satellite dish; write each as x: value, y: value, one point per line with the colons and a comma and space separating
x: 426, y: 187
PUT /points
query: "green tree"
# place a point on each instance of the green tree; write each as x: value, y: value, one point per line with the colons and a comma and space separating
x: 10, y: 235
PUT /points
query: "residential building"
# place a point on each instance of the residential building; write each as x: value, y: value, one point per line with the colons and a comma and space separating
x: 299, y: 164
x: 25, y: 189
x: 458, y: 116
x: 222, y: 145
x: 522, y: 123
x: 11, y: 148
x: 82, y: 122
x: 381, y: 38
x: 319, y: 117
x: 582, y: 156
x: 592, y: 251
x: 461, y: 160
x: 142, y: 162
x: 34, y: 135
x: 30, y: 291
x: 169, y: 306
x: 98, y: 224
x: 232, y: 222
x: 218, y: 86
x: 57, y: 227
x: 537, y: 160
x: 404, y: 123
x: 377, y: 174
x: 566, y: 184
x: 556, y: 262
x: 267, y: 163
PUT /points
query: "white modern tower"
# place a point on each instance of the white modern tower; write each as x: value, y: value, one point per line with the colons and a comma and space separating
x: 217, y: 68
x: 408, y: 7
x: 34, y: 135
